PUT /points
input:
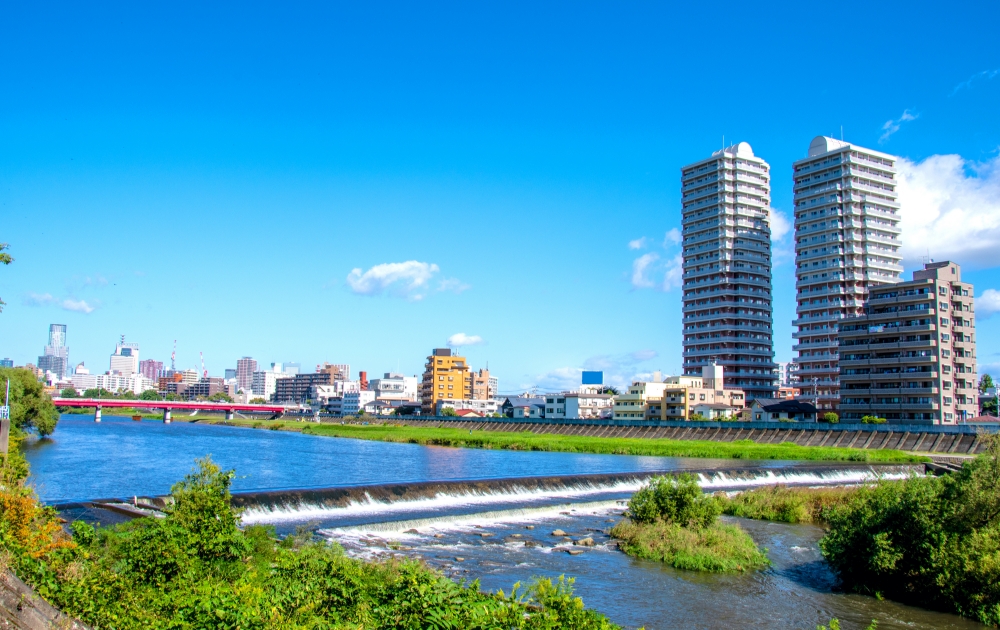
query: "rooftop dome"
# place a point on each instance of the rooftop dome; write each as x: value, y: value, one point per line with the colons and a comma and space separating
x: 822, y: 144
x: 741, y: 149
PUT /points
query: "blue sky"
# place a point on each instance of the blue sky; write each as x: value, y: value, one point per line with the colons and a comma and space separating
x: 508, y: 172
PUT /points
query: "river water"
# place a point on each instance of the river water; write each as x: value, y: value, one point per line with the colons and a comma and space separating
x: 501, y: 534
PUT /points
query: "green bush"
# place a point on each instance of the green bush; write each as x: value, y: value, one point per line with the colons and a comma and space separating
x: 718, y: 548
x: 830, y: 417
x: 873, y: 420
x: 674, y: 500
x: 933, y: 542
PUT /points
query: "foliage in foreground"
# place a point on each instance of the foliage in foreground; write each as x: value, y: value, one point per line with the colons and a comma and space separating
x: 671, y: 520
x: 196, y: 568
x: 929, y: 541
x: 526, y: 441
x: 31, y: 409
x: 784, y: 504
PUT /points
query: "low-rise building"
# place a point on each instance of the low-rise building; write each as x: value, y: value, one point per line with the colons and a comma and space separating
x: 675, y: 397
x: 769, y: 410
x: 112, y: 382
x: 508, y: 404
x: 911, y: 358
x: 585, y: 403
x: 483, y: 407
x: 524, y: 410
x: 394, y: 386
x: 354, y: 401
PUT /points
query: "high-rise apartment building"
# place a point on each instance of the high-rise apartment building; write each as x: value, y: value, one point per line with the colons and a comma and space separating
x: 847, y: 241
x: 337, y: 371
x: 151, y: 369
x: 911, y: 357
x: 245, y: 368
x: 55, y: 357
x: 479, y: 385
x: 727, y: 269
x: 445, y: 377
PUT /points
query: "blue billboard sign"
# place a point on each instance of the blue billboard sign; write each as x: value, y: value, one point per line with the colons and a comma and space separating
x: 593, y: 378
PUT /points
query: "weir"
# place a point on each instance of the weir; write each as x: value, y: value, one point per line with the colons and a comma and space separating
x: 386, y: 499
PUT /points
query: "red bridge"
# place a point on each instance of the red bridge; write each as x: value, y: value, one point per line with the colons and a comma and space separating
x: 167, y: 406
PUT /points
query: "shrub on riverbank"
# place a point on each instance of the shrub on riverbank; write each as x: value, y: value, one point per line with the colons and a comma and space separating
x: 671, y: 520
x: 195, y: 568
x: 788, y: 505
x: 464, y: 438
x: 929, y: 541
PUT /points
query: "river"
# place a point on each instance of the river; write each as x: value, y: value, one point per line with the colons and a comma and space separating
x: 500, y: 535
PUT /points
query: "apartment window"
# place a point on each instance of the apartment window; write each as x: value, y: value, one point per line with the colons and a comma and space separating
x: 945, y: 354
x: 947, y: 400
x: 944, y: 321
x: 943, y: 305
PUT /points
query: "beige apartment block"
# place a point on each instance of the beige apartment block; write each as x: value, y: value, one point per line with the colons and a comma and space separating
x: 847, y: 243
x: 911, y: 358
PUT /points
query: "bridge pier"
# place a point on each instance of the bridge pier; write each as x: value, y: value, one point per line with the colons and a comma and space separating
x: 166, y: 416
x: 97, y: 414
x: 229, y: 415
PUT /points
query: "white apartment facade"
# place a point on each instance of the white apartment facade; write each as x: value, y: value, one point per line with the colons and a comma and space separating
x: 263, y: 382
x: 727, y: 315
x: 112, y: 382
x: 125, y: 360
x: 395, y: 387
x: 579, y: 405
x: 354, y: 401
x: 847, y: 240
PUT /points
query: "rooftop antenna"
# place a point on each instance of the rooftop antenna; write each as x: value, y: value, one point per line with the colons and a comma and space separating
x: 841, y: 133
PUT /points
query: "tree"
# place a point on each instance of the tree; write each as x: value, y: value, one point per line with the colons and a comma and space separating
x: 6, y: 260
x: 30, y: 407
x: 220, y: 397
x: 872, y: 420
x: 986, y: 383
x: 149, y: 394
x: 69, y: 392
x: 448, y: 412
x: 97, y: 392
x: 608, y: 389
x: 830, y: 417
x: 258, y: 401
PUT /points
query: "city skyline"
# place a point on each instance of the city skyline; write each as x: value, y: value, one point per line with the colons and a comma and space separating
x: 280, y: 203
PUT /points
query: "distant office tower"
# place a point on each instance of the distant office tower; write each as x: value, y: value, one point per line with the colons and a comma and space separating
x: 55, y: 358
x: 911, y: 357
x: 245, y: 368
x: 230, y: 374
x: 151, y: 369
x: 6, y: 363
x: 125, y: 360
x: 846, y: 242
x: 337, y: 371
x: 727, y: 269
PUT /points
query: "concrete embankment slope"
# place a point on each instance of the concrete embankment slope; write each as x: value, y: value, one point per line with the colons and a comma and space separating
x: 21, y: 608
x: 943, y: 440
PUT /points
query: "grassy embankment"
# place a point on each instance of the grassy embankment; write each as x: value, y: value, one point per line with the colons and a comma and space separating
x: 670, y: 520
x: 525, y: 441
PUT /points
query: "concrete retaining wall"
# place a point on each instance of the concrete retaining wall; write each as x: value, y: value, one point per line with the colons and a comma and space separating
x: 21, y: 608
x: 962, y: 440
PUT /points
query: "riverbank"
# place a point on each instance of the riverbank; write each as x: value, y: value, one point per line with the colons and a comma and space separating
x: 439, y: 436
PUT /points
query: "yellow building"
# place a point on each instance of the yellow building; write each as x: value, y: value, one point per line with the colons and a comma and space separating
x: 446, y: 377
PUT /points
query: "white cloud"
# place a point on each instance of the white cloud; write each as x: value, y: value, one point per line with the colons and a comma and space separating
x: 79, y: 306
x: 462, y: 339
x: 408, y: 279
x: 68, y: 304
x: 673, y: 278
x: 639, y: 267
x: 892, y: 126
x: 950, y: 210
x: 673, y: 237
x: 988, y: 303
x: 638, y: 243
x: 619, y: 370
x: 454, y: 285
x: 985, y: 74
x: 781, y: 225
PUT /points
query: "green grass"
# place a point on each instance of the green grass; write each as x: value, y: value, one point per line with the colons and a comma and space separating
x: 784, y: 504
x: 433, y: 436
x: 718, y: 548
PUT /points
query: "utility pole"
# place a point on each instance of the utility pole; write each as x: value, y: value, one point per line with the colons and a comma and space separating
x: 5, y: 422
